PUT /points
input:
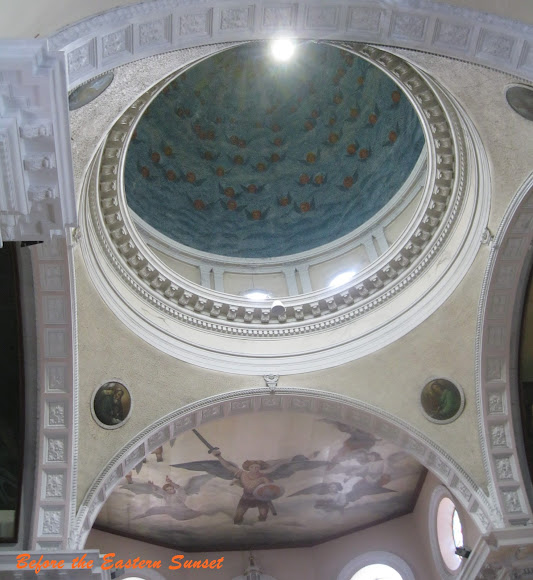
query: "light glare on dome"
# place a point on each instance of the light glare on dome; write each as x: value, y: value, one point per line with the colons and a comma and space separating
x: 282, y: 49
x: 341, y: 279
x: 256, y: 294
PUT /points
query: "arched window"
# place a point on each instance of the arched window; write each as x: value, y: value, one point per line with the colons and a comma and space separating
x: 446, y: 532
x: 377, y: 572
x: 373, y: 565
x: 144, y: 575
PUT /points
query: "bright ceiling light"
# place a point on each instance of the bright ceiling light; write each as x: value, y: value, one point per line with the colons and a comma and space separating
x: 341, y: 279
x: 256, y: 294
x: 282, y: 49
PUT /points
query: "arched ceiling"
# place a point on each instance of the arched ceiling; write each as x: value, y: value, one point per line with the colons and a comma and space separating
x: 248, y: 157
x: 29, y: 18
x: 314, y: 479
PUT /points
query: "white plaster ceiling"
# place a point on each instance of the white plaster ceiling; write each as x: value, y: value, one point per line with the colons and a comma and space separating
x: 391, y: 379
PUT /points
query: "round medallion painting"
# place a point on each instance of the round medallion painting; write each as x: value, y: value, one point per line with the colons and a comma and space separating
x: 520, y: 99
x: 111, y: 405
x: 87, y: 92
x: 442, y: 401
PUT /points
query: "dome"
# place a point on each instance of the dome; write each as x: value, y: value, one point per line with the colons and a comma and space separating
x: 153, y: 166
x: 248, y: 157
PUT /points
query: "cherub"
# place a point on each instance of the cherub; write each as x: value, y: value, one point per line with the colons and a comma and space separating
x: 173, y: 495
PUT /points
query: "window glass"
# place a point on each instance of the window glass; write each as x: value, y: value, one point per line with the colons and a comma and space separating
x: 377, y: 572
x: 457, y: 530
x: 445, y: 533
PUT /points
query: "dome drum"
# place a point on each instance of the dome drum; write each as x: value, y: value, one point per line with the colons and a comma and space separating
x: 133, y: 264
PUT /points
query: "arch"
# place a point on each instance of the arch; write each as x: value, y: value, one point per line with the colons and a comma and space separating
x: 256, y: 400
x: 127, y: 33
x: 377, y: 557
x: 499, y: 321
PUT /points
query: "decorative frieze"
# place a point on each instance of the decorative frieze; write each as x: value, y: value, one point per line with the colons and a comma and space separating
x: 195, y: 24
x: 322, y: 17
x: 365, y: 19
x: 280, y: 16
x: 495, y: 377
x: 408, y: 26
x: 433, y: 27
x: 237, y: 18
x: 451, y: 33
x: 56, y: 414
x: 495, y: 45
x: 56, y: 449
x: 54, y: 487
x: 504, y: 468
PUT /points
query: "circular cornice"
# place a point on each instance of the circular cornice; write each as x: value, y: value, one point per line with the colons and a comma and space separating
x: 391, y: 295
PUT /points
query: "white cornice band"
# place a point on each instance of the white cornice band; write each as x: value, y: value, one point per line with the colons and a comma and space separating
x: 128, y: 33
x: 499, y: 323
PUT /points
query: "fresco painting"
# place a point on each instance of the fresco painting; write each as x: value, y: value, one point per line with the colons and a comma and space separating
x: 87, y: 92
x: 246, y: 157
x: 263, y: 480
x: 520, y: 99
x: 112, y: 404
x: 441, y: 400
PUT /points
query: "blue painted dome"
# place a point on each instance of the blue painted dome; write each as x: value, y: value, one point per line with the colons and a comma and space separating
x: 246, y: 157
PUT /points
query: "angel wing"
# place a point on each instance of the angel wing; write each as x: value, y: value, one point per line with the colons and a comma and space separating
x: 195, y: 483
x: 363, y: 488
x: 320, y: 489
x: 144, y: 488
x: 177, y: 512
x: 282, y: 469
x: 212, y: 467
x: 342, y: 426
x: 363, y: 439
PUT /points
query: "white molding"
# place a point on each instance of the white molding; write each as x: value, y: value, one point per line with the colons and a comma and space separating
x: 256, y: 400
x: 54, y: 501
x: 113, y: 38
x: 376, y: 557
x: 37, y: 186
x: 499, y: 319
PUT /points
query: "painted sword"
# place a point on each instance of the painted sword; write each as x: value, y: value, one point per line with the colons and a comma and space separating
x: 205, y: 442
